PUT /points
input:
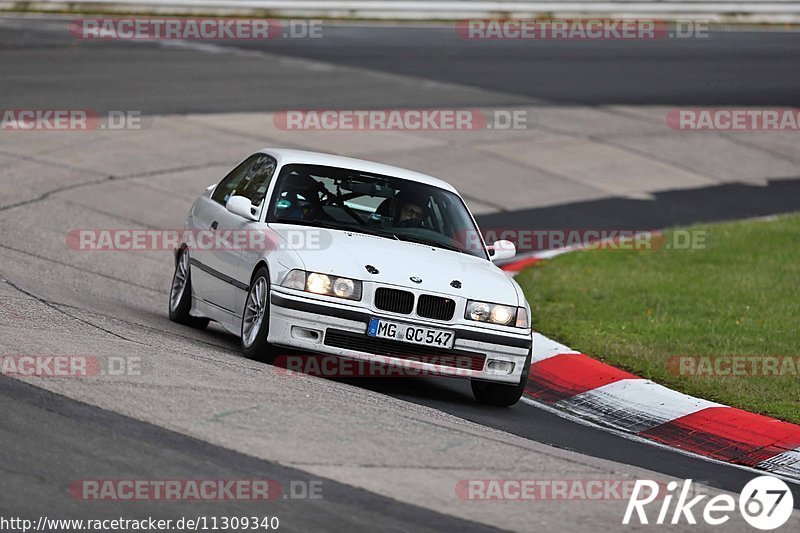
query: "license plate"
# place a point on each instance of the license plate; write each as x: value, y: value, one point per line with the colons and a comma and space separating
x: 409, y: 333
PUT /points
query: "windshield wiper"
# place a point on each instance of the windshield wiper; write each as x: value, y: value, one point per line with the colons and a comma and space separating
x: 290, y: 220
x: 314, y: 223
x: 429, y: 242
x: 369, y: 231
x: 334, y: 225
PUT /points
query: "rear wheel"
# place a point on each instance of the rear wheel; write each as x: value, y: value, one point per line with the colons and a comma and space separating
x: 180, y: 294
x: 501, y: 394
x: 255, y: 319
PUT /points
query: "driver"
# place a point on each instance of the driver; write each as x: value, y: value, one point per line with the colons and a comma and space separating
x: 410, y: 209
x: 300, y: 198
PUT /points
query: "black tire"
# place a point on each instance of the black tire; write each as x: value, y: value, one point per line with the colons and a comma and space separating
x: 500, y: 394
x: 180, y: 313
x: 259, y: 349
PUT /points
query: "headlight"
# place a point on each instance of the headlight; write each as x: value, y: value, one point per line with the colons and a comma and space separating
x: 325, y: 284
x: 318, y: 283
x: 504, y: 315
x: 344, y: 287
x: 501, y: 314
x: 478, y: 311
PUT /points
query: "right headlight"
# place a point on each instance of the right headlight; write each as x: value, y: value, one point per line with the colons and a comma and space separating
x: 504, y: 315
x: 318, y: 283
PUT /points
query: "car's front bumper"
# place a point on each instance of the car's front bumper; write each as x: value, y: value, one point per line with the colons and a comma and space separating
x: 317, y: 326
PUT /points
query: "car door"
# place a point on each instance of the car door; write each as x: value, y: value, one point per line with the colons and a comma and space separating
x: 254, y: 188
x: 215, y: 264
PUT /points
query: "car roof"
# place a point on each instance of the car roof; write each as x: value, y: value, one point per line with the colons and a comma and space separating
x: 287, y: 156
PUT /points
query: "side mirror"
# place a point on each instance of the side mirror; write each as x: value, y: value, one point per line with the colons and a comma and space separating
x: 239, y: 205
x: 502, y: 250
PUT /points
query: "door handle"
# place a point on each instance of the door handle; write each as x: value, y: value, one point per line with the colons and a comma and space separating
x: 214, y: 225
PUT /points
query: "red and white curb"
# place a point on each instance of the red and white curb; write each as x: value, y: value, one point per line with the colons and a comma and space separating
x: 591, y: 390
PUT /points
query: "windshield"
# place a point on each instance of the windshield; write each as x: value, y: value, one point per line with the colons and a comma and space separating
x: 393, y: 208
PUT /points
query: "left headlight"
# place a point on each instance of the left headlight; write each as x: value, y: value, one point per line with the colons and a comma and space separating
x: 504, y: 315
x: 318, y: 283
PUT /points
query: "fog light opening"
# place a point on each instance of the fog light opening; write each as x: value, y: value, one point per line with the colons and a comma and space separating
x: 306, y: 334
x: 501, y: 367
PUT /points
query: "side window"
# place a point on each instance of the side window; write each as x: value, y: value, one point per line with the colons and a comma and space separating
x: 250, y: 179
x: 256, y: 180
x: 230, y: 183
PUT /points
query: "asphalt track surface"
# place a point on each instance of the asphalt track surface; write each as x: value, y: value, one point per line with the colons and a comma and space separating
x: 47, y: 69
x: 51, y: 69
x: 667, y: 209
x: 62, y: 428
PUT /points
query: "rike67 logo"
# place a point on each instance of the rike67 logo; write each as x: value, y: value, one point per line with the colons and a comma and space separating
x: 766, y: 503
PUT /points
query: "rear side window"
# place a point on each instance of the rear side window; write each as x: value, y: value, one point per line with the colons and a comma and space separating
x: 250, y: 179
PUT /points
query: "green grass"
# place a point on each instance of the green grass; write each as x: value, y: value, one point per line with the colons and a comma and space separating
x: 636, y: 309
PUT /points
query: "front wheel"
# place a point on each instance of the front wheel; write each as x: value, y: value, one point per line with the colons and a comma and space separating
x: 180, y: 294
x: 255, y: 319
x: 501, y: 394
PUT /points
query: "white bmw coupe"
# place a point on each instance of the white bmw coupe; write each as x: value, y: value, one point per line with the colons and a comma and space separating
x: 338, y: 256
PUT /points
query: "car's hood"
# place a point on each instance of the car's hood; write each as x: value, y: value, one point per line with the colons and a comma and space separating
x: 345, y: 253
